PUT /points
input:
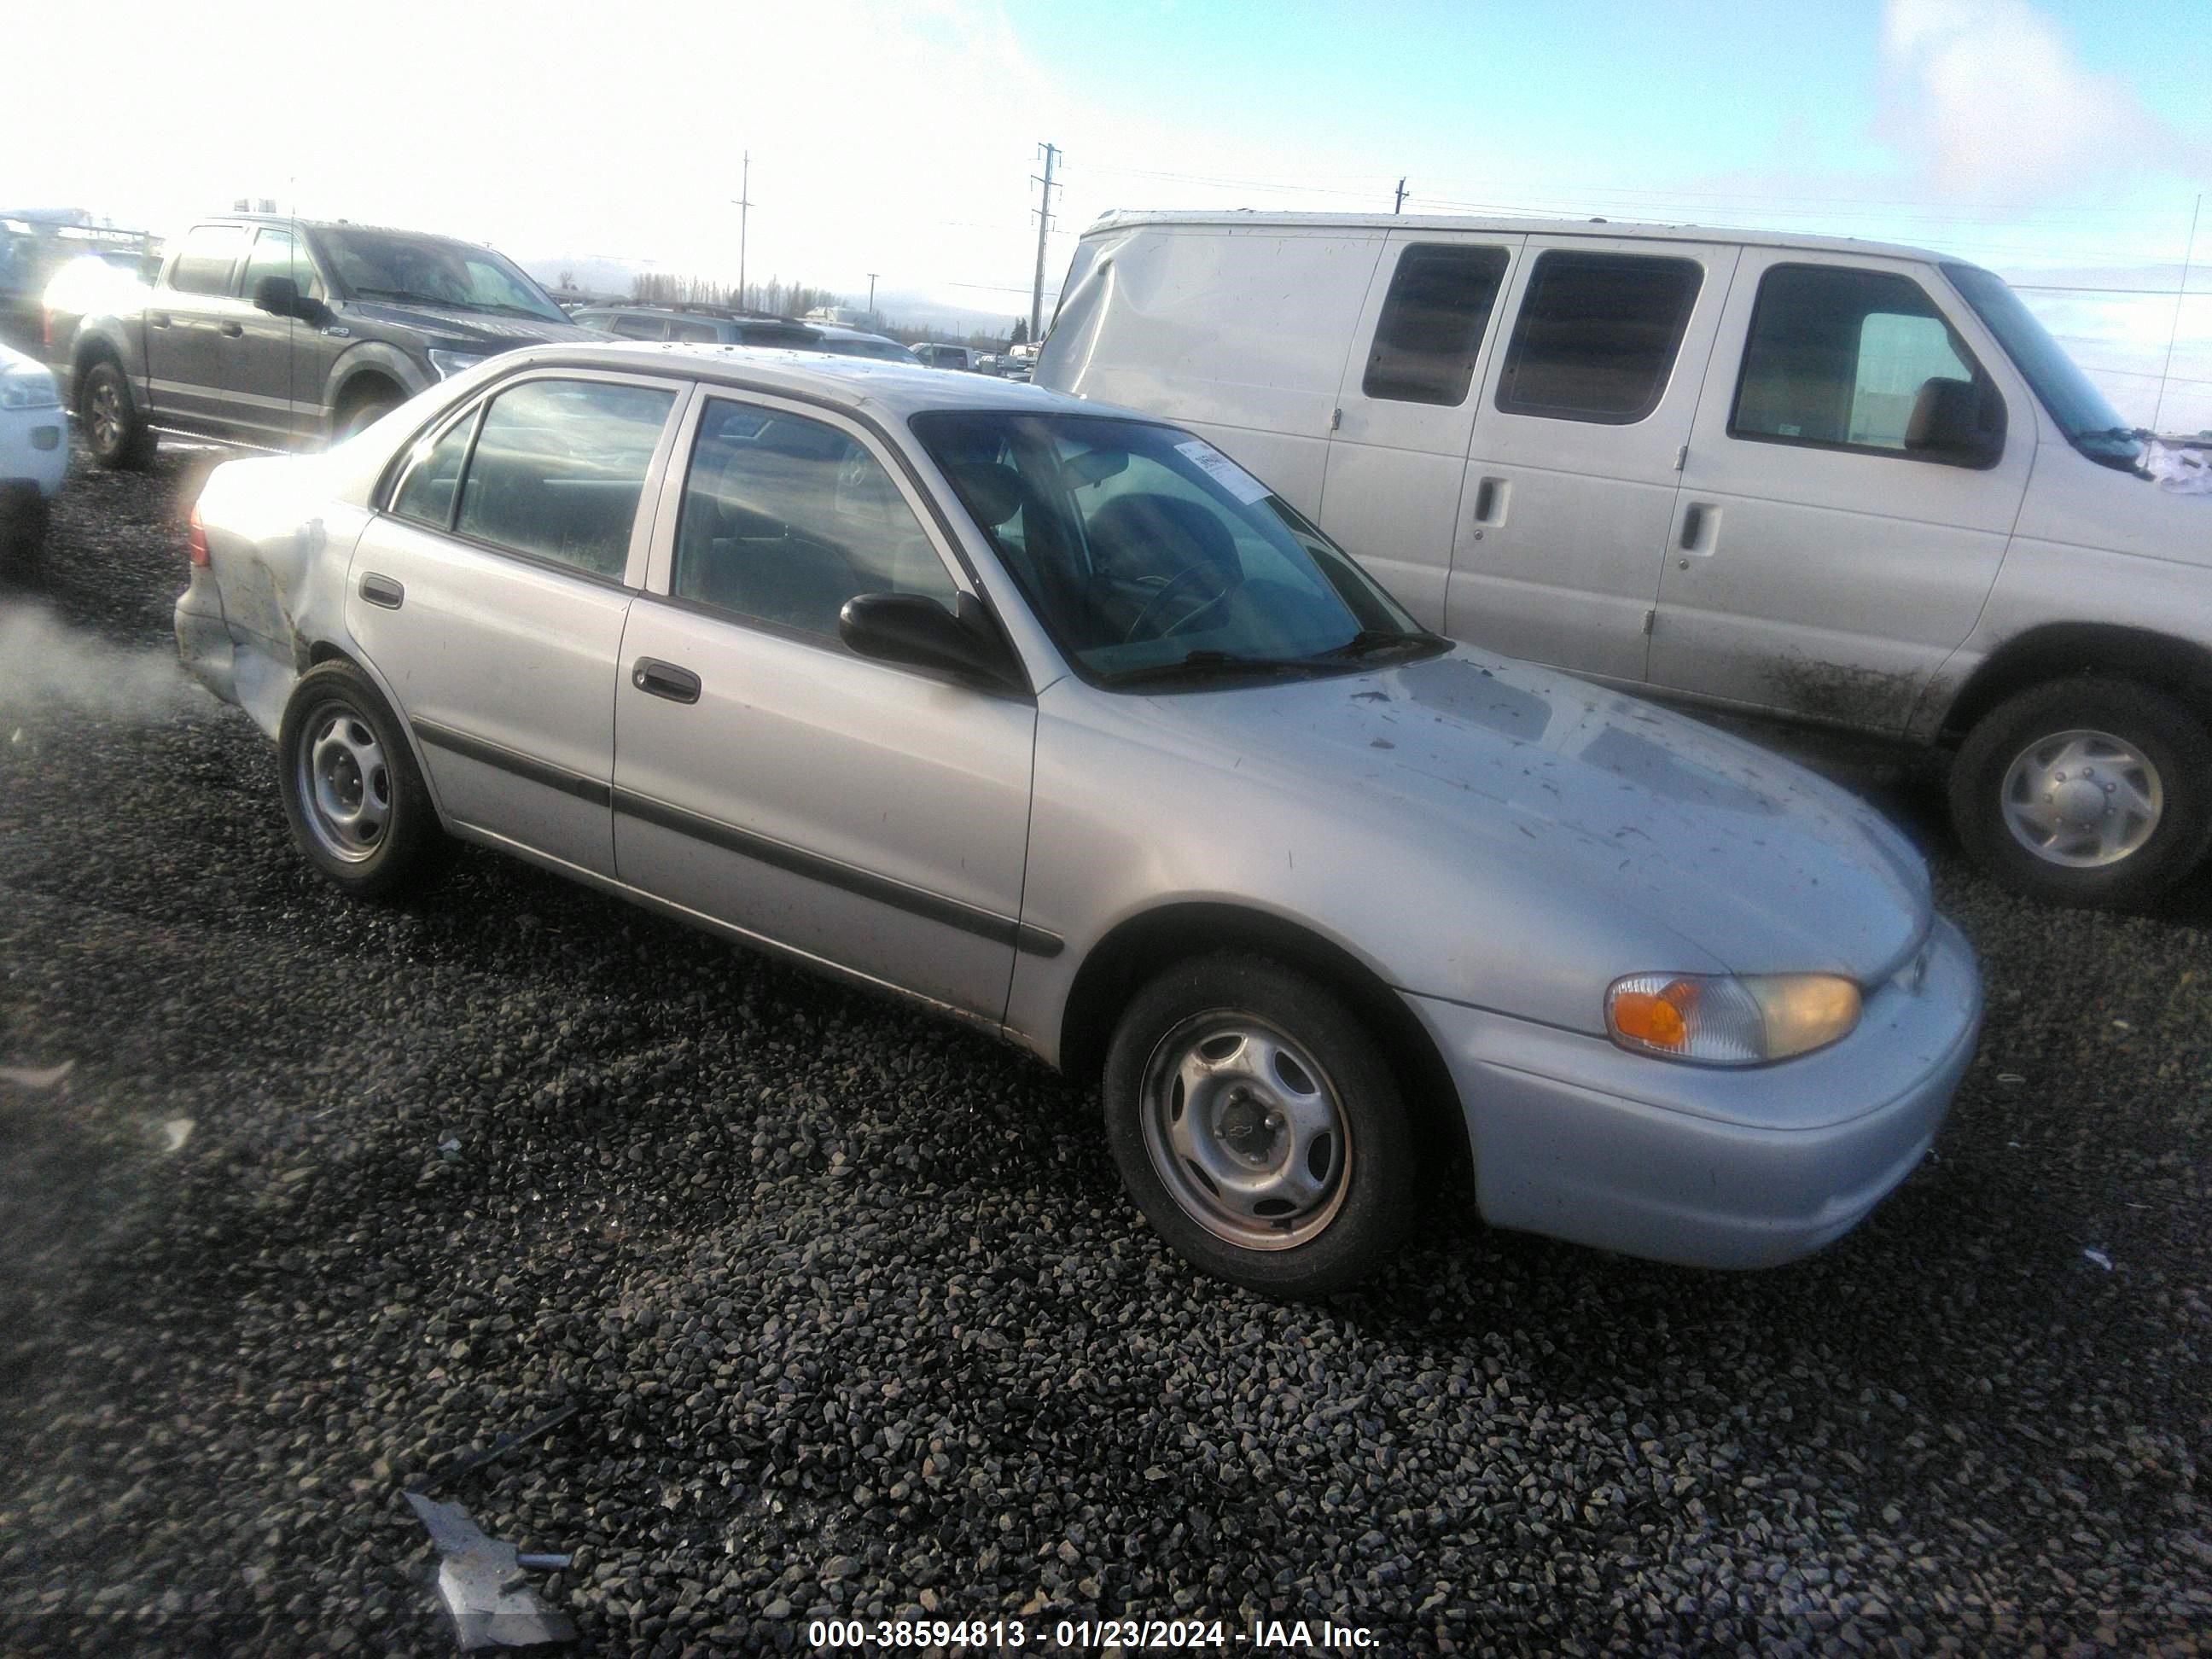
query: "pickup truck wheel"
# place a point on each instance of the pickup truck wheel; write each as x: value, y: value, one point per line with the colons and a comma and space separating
x: 113, y: 428
x: 1258, y: 1128
x: 358, y: 807
x: 2086, y: 792
x: 359, y: 417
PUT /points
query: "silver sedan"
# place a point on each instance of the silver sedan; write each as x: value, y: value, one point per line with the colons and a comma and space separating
x: 1055, y: 718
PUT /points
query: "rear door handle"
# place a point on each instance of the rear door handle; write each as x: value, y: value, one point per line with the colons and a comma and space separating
x: 233, y: 330
x: 158, y: 320
x: 1490, y: 495
x: 1700, y: 529
x: 382, y: 590
x: 665, y: 679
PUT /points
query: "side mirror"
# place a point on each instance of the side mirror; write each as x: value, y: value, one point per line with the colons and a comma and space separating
x: 279, y: 296
x: 914, y: 629
x: 1956, y: 421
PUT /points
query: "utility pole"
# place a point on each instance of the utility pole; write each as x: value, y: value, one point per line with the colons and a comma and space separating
x: 2188, y: 260
x: 744, y: 205
x: 1044, y: 224
x: 871, y: 296
x: 1399, y: 205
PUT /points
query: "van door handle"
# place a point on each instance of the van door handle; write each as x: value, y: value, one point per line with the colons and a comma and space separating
x: 1701, y: 524
x: 665, y: 679
x: 1490, y: 499
x: 382, y: 590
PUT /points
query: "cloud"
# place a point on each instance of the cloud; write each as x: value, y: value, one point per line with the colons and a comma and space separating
x: 1990, y: 97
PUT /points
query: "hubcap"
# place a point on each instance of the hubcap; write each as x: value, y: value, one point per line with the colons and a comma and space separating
x: 345, y: 782
x: 1245, y: 1131
x: 2082, y: 798
x: 107, y: 414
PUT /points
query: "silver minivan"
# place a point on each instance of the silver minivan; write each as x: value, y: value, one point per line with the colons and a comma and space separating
x: 1801, y: 477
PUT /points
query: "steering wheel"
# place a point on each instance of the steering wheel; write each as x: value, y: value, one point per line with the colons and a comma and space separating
x: 1175, y: 584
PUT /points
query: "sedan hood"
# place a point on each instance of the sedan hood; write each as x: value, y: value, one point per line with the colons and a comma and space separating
x: 493, y: 331
x: 1744, y: 856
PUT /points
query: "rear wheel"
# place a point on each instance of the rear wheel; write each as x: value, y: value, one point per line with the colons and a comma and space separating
x: 358, y: 807
x: 114, y: 429
x: 1258, y: 1127
x: 2086, y: 792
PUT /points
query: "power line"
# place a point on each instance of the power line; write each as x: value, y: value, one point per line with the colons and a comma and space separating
x: 2188, y: 257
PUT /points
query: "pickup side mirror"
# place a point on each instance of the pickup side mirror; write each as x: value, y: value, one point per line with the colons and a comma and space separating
x: 915, y: 629
x: 1958, y: 421
x: 279, y: 296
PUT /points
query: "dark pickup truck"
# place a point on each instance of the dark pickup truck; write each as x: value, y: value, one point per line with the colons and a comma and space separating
x: 288, y: 333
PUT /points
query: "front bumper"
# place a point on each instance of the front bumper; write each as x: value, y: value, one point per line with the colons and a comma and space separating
x: 1578, y: 1139
x: 34, y: 449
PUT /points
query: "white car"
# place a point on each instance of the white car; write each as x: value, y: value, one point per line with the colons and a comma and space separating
x: 34, y: 454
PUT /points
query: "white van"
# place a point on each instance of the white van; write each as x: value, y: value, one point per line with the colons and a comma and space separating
x: 1819, y: 479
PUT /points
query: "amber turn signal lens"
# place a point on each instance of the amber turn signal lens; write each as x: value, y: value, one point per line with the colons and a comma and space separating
x: 1656, y: 1017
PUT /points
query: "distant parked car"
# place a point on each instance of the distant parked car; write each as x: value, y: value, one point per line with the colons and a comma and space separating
x: 843, y: 341
x: 938, y: 355
x: 1053, y: 718
x: 288, y: 333
x: 706, y: 325
x: 33, y: 455
x: 1007, y: 366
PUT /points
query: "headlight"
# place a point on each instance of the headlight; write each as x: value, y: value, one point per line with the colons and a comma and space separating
x: 1720, y: 1019
x: 450, y: 363
x: 28, y: 388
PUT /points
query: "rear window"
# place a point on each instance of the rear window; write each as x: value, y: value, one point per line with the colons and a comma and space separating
x: 1597, y: 335
x: 1431, y: 330
x: 204, y: 263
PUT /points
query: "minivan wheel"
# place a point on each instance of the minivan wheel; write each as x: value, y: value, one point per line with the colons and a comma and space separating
x: 357, y: 805
x: 1258, y: 1127
x: 116, y: 433
x: 2086, y: 792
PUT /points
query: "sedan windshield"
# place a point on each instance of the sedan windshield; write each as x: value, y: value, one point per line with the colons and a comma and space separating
x: 1155, y: 561
x: 383, y: 264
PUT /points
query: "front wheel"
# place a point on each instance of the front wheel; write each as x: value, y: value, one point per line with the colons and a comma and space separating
x: 367, y: 413
x: 1258, y: 1127
x: 358, y: 807
x: 2086, y: 792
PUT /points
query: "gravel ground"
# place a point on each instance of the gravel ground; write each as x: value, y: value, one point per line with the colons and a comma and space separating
x: 856, y: 1317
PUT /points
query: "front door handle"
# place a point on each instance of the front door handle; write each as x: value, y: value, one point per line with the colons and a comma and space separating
x: 233, y: 331
x: 382, y: 590
x: 665, y: 679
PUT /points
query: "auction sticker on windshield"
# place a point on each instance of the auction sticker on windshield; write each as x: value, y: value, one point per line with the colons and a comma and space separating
x: 1225, y: 473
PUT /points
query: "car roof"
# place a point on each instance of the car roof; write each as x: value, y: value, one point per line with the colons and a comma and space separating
x: 1124, y: 219
x: 879, y: 385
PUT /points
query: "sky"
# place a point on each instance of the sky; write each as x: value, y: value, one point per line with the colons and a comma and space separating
x: 2064, y: 144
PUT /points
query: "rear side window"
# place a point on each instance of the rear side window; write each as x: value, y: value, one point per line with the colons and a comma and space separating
x: 640, y: 328
x: 558, y: 468
x: 1597, y: 335
x: 785, y: 518
x: 204, y: 263
x: 1431, y: 330
x: 1839, y: 357
x: 680, y: 329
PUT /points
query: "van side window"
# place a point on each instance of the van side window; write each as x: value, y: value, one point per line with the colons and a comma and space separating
x: 1597, y: 335
x: 1839, y: 357
x: 1431, y: 330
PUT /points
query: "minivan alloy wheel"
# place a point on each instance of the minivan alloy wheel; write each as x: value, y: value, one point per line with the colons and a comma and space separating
x: 1245, y: 1131
x: 2082, y: 798
x: 346, y: 782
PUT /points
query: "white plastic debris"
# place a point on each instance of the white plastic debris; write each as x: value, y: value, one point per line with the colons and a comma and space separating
x: 27, y: 1077
x: 2098, y: 1257
x: 2184, y: 471
x: 175, y: 1132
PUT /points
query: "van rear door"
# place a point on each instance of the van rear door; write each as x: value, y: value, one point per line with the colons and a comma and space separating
x: 1850, y: 488
x: 1407, y: 408
x: 1571, y: 480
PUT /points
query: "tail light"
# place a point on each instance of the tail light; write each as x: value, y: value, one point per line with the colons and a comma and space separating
x: 196, y: 539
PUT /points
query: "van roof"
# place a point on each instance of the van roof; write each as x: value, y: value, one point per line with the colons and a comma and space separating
x: 1239, y: 218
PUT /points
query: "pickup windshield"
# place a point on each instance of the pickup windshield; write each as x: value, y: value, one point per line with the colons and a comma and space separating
x: 383, y: 264
x: 2090, y: 423
x: 1157, y: 562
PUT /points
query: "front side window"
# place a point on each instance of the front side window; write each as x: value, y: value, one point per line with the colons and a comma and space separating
x: 276, y: 253
x: 204, y: 263
x: 1840, y: 357
x: 558, y: 468
x: 680, y: 329
x: 1153, y: 560
x: 784, y: 518
x: 1597, y: 335
x: 1431, y: 330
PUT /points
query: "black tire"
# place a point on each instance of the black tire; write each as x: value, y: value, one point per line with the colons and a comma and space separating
x: 359, y: 416
x: 1363, y: 1207
x: 406, y: 848
x: 2175, y: 755
x: 115, y: 429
